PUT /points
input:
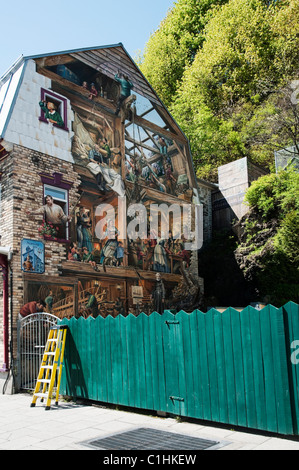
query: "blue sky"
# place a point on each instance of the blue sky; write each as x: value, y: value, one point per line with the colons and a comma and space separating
x: 37, y: 27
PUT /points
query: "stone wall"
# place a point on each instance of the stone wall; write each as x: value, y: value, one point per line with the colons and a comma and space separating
x: 228, y: 202
x: 24, y: 126
x: 205, y: 190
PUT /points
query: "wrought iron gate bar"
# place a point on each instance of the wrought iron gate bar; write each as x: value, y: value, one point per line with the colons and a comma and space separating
x: 33, y: 332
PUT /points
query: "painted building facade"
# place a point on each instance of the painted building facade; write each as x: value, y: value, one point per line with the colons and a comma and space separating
x: 88, y: 153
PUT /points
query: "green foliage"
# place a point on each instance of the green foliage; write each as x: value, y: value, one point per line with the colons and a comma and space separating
x: 275, y: 195
x: 224, y: 69
x: 174, y: 45
x: 286, y: 241
x: 271, y: 235
x: 218, y: 66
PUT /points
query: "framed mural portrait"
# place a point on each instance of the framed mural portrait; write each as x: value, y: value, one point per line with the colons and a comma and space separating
x: 32, y: 256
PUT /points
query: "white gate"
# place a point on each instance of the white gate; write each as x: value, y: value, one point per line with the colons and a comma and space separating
x: 33, y: 332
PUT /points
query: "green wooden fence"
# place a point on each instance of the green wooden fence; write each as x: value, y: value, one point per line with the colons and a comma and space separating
x: 237, y: 368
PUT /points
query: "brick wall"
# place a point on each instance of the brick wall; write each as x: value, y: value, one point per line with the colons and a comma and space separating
x: 22, y: 189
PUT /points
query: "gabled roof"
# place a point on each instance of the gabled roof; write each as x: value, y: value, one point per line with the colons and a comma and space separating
x: 109, y: 60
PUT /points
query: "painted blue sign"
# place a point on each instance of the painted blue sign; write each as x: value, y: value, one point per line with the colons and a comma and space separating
x: 32, y: 256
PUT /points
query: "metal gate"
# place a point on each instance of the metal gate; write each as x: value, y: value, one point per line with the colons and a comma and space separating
x: 33, y: 332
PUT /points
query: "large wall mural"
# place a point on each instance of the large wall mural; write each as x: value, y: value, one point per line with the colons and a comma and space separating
x: 124, y: 146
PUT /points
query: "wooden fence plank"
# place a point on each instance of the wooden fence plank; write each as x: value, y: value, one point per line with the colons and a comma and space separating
x: 185, y: 376
x: 258, y: 368
x: 248, y: 368
x: 204, y: 368
x: 132, y: 361
x: 212, y: 365
x: 148, y: 353
x: 221, y: 367
x: 239, y: 367
x: 98, y: 369
x: 291, y: 320
x: 283, y: 404
x: 268, y: 369
x: 158, y: 361
x: 108, y: 355
x: 90, y: 356
x: 140, y: 352
x: 103, y: 360
x: 195, y: 355
x: 124, y: 386
x: 81, y: 374
x: 116, y: 360
x: 170, y: 362
x: 230, y: 367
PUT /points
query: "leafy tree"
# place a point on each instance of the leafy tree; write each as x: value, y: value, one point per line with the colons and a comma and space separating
x: 268, y: 252
x: 275, y: 195
x: 219, y: 75
x: 285, y: 28
x: 174, y: 45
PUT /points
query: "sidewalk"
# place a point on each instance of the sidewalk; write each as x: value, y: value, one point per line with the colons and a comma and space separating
x: 69, y: 425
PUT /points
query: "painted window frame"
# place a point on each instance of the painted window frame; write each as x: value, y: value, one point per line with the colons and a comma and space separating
x: 57, y: 182
x: 63, y: 104
x: 57, y: 199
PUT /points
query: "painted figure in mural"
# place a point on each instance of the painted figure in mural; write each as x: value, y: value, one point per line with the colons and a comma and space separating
x: 109, y: 251
x: 160, y: 262
x: 120, y: 253
x: 92, y: 304
x: 159, y: 295
x: 95, y: 154
x: 169, y: 244
x: 163, y: 145
x: 119, y: 306
x: 148, y: 251
x: 73, y: 253
x: 53, y: 214
x: 104, y: 145
x: 134, y: 169
x: 32, y: 307
x: 27, y: 265
x: 83, y: 226
x: 49, y: 301
x: 93, y: 92
x: 51, y: 114
x: 88, y: 257
x: 110, y: 177
x: 79, y: 229
x: 125, y: 90
x: 170, y: 180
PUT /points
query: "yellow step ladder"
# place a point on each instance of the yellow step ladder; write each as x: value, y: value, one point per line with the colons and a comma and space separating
x: 51, y: 363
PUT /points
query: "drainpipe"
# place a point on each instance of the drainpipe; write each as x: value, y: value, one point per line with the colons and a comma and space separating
x: 5, y: 257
